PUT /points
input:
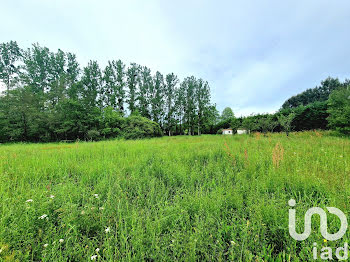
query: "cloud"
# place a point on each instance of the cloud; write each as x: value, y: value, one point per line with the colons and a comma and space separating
x: 255, y: 54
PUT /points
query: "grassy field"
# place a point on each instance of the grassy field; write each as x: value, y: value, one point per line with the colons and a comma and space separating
x: 207, y: 198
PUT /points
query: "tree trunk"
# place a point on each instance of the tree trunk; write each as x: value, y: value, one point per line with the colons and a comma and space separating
x: 8, y: 85
x: 180, y: 126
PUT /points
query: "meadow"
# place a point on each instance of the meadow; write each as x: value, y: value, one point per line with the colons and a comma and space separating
x: 202, y: 198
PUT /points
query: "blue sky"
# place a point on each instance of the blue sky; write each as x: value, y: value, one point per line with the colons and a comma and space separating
x: 254, y: 54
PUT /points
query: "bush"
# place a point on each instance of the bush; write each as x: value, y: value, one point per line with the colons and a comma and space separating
x: 93, y: 135
x: 137, y: 127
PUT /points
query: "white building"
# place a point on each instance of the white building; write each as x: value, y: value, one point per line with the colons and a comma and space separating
x: 242, y: 131
x: 227, y: 131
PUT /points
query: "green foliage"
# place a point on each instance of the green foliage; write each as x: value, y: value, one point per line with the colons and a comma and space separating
x: 268, y: 123
x: 224, y: 124
x: 227, y: 113
x: 264, y: 123
x: 92, y: 85
x: 137, y: 127
x: 144, y: 96
x: 310, y: 117
x: 235, y: 124
x: 93, y: 135
x: 189, y: 87
x: 212, y: 118
x: 111, y: 123
x: 72, y: 120
x: 54, y: 100
x: 232, y: 122
x: 10, y: 54
x: 250, y: 124
x: 339, y: 110
x: 286, y: 122
x: 3, y: 126
x: 171, y: 82
x: 219, y: 132
x: 113, y: 90
x: 157, y: 99
x: 317, y: 94
x: 132, y: 74
x: 311, y: 106
x: 21, y: 118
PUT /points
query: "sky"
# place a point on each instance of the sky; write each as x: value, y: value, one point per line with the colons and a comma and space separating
x: 254, y: 54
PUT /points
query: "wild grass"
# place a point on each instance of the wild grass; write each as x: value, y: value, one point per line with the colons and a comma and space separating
x: 206, y: 198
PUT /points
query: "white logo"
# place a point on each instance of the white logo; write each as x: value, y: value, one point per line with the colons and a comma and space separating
x: 326, y: 252
x: 323, y: 222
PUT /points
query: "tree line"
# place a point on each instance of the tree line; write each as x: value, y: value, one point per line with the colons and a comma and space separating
x: 324, y: 107
x: 49, y: 97
x: 318, y: 94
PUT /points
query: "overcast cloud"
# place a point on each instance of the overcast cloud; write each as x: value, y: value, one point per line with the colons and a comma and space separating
x: 254, y: 54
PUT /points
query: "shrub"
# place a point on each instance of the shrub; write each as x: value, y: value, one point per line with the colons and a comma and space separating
x: 93, y: 135
x: 137, y: 127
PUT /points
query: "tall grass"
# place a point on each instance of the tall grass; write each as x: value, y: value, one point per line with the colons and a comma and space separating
x: 207, y: 198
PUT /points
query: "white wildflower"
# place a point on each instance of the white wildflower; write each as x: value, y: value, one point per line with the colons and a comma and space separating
x: 97, y: 250
x: 43, y: 216
x: 96, y: 195
x: 108, y: 229
x: 46, y: 245
x: 52, y: 196
x: 29, y: 200
x: 93, y: 257
x: 61, y: 240
x: 101, y: 208
x: 82, y: 212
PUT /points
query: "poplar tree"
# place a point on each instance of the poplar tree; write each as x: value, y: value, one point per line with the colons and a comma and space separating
x: 10, y: 54
x: 171, y: 81
x: 132, y: 80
